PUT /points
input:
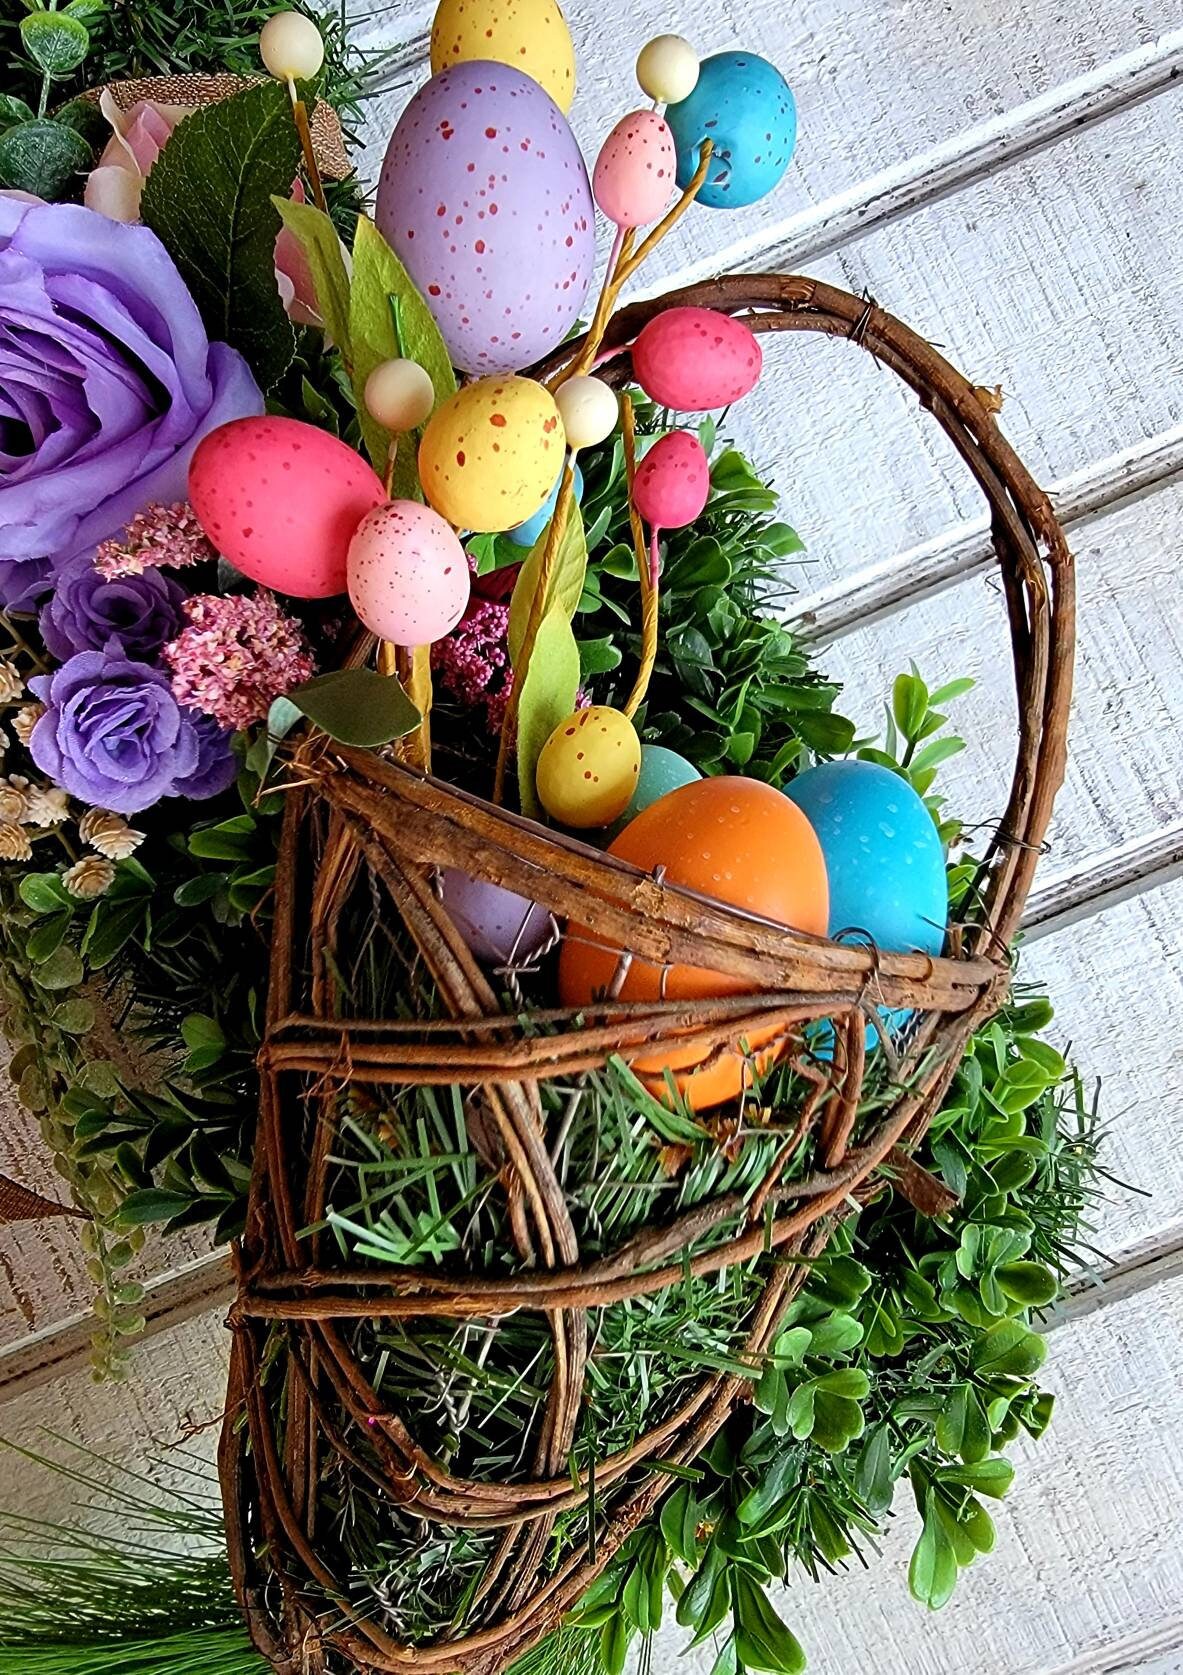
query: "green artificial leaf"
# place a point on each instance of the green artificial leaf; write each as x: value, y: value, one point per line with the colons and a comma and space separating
x: 149, y: 1204
x: 85, y: 8
x: 991, y: 1477
x: 43, y: 157
x: 209, y: 198
x: 909, y: 704
x: 74, y: 1017
x: 62, y: 970
x: 873, y: 1479
x: 762, y: 1640
x: 12, y: 111
x: 1009, y: 1349
x: 932, y: 1574
x: 112, y: 926
x: 834, y: 1335
x: 598, y: 657
x: 200, y: 1031
x: 227, y: 840
x: 381, y: 292
x: 56, y: 42
x: 357, y: 706
x: 565, y: 583
x: 548, y: 697
x: 1028, y: 1283
x: 47, y: 937
x: 320, y: 243
x: 44, y: 892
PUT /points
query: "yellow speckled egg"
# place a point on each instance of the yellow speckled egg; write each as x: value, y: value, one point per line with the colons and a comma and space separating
x: 587, y: 770
x: 532, y: 35
x: 491, y: 453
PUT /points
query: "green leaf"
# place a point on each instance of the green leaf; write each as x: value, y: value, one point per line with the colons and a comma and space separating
x: 320, y: 243
x: 1009, y: 1349
x: 565, y: 585
x: 598, y: 657
x: 381, y: 289
x: 200, y: 1031
x: 228, y: 840
x: 43, y: 157
x: 873, y: 1479
x: 909, y: 704
x: 44, y: 892
x: 951, y: 690
x: 932, y: 1574
x: 74, y: 1017
x: 357, y: 706
x: 991, y: 1477
x: 62, y: 970
x: 209, y: 198
x: 48, y: 936
x: 149, y: 1204
x: 1028, y: 1283
x: 762, y: 1640
x: 56, y: 42
x: 548, y: 697
x: 12, y: 111
x: 112, y: 926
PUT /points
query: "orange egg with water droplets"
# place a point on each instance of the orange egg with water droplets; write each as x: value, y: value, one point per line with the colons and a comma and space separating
x: 742, y: 842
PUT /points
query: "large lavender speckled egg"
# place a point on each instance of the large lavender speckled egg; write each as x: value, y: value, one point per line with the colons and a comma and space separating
x: 501, y: 927
x: 485, y: 197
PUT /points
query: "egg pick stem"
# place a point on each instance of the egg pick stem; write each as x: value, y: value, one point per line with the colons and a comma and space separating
x: 647, y: 565
x: 304, y: 129
x: 538, y: 607
x: 631, y: 261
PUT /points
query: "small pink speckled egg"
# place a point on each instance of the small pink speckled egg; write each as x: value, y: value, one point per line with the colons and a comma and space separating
x: 692, y: 359
x: 672, y: 481
x: 408, y: 577
x: 281, y: 500
x: 634, y: 173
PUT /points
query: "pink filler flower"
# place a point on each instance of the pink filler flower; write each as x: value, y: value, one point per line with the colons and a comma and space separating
x: 239, y: 653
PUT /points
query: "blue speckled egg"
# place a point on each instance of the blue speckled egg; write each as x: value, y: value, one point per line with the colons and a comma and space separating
x: 883, y: 856
x: 525, y: 534
x: 744, y: 105
x: 662, y: 770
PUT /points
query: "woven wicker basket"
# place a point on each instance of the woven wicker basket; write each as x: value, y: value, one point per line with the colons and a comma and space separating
x: 357, y: 821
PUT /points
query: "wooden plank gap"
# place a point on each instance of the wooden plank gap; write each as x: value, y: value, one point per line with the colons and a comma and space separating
x: 878, y: 591
x: 1127, y: 1275
x: 973, y: 155
x: 1158, y: 1651
x: 1128, y: 869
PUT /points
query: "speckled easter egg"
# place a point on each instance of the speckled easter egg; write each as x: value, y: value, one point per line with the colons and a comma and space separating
x: 728, y: 838
x: 692, y: 359
x: 501, y: 927
x: 673, y: 481
x: 530, y: 35
x: 409, y: 580
x: 883, y: 855
x: 525, y: 534
x: 485, y: 197
x: 491, y: 452
x: 744, y: 105
x: 662, y: 771
x: 588, y: 768
x: 633, y: 179
x: 281, y: 500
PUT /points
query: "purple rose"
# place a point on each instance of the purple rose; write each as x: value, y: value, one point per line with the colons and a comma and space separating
x: 86, y: 610
x: 115, y: 737
x: 107, y: 384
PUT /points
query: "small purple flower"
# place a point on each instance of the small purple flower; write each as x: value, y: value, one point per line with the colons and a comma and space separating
x: 114, y: 736
x: 87, y: 611
x: 107, y: 384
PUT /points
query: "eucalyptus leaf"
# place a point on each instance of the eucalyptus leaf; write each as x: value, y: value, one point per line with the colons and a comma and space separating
x: 43, y: 157
x: 358, y: 706
x: 208, y: 198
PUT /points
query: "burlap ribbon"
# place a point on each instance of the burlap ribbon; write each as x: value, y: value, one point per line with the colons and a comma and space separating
x: 18, y: 1203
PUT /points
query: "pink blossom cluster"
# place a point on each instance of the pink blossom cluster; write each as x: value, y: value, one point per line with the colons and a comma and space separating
x: 238, y: 654
x: 156, y: 537
x: 472, y: 663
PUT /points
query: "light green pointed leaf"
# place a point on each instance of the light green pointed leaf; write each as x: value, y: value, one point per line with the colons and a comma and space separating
x: 565, y: 587
x: 382, y: 290
x: 548, y: 697
x: 318, y: 239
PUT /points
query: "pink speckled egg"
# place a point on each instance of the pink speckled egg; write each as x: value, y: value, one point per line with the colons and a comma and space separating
x: 501, y: 927
x: 634, y: 173
x: 281, y: 500
x: 672, y: 481
x: 485, y: 197
x: 691, y: 359
x: 408, y: 577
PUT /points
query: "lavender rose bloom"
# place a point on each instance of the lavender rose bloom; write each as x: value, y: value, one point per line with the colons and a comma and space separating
x: 87, y: 610
x: 107, y: 384
x: 115, y: 737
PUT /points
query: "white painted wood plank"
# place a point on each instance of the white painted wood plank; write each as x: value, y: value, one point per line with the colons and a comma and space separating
x: 1125, y: 763
x: 1088, y: 1573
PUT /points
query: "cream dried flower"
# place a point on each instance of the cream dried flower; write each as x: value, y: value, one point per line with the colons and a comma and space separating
x: 24, y: 721
x: 12, y: 685
x: 92, y: 876
x: 14, y: 842
x: 49, y: 805
x: 14, y: 799
x: 110, y: 834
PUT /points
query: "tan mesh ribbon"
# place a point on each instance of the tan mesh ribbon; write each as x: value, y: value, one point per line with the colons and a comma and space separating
x: 17, y: 1203
x: 208, y: 90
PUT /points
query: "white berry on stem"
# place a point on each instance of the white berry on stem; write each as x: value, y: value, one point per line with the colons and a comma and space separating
x: 291, y: 47
x: 589, y: 409
x: 399, y: 395
x: 667, y: 69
